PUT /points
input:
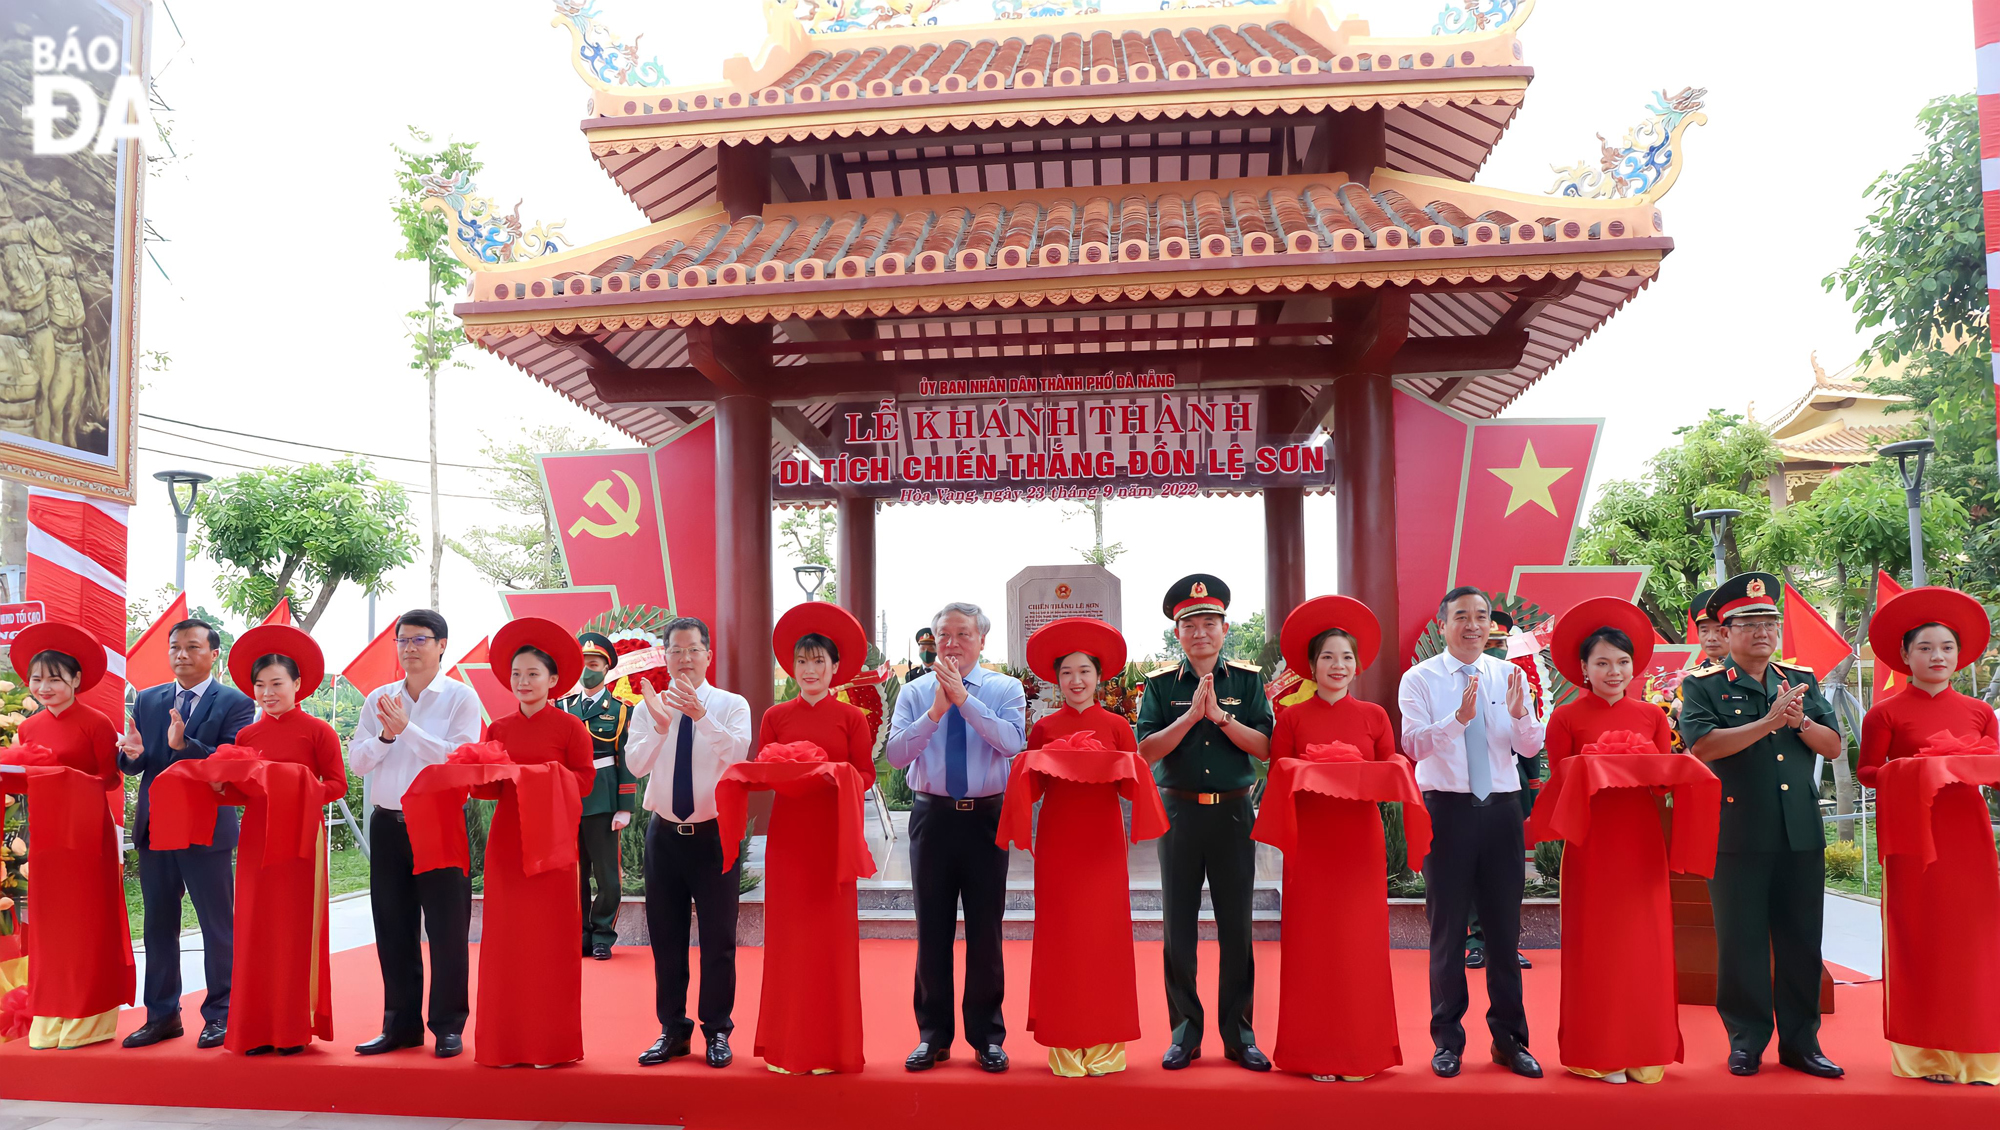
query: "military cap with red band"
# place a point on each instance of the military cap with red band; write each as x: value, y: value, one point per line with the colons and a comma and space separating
x: 1745, y: 594
x: 1194, y: 595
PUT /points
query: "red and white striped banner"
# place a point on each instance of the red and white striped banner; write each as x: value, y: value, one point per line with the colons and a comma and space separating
x: 1986, y: 41
x: 76, y: 568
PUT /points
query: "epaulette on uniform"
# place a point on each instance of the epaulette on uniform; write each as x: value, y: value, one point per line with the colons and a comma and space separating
x: 1795, y: 667
x: 1242, y: 666
x: 1705, y: 670
x: 1163, y: 669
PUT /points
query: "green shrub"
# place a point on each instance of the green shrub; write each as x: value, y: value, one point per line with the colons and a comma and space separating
x: 1843, y: 861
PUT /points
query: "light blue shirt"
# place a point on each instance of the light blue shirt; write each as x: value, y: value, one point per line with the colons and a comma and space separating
x: 996, y: 717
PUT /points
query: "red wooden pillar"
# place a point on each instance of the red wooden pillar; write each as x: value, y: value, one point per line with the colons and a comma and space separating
x: 743, y: 550
x: 1284, y: 554
x: 1364, y: 478
x: 856, y: 560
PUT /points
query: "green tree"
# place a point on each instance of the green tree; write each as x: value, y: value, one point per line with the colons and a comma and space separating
x: 811, y: 532
x: 1918, y: 280
x: 522, y: 555
x: 434, y: 333
x: 1719, y: 463
x: 298, y: 532
x: 1098, y: 553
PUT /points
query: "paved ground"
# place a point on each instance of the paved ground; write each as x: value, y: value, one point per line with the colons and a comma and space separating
x: 15, y: 1115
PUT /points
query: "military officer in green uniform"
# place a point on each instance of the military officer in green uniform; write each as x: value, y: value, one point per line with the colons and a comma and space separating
x: 1714, y: 649
x: 1759, y: 723
x: 1201, y: 723
x: 608, y: 807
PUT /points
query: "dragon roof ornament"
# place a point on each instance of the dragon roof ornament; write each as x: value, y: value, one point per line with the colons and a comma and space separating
x: 603, y: 57
x: 1650, y: 161
x: 480, y: 235
x: 1468, y: 16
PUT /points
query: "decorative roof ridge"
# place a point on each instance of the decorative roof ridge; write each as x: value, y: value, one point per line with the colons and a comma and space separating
x: 592, y: 254
x: 478, y: 234
x: 1649, y: 164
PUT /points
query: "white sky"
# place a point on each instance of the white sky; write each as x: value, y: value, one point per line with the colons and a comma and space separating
x: 283, y: 308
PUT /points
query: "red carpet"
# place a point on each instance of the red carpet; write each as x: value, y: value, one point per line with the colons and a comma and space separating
x: 610, y: 1087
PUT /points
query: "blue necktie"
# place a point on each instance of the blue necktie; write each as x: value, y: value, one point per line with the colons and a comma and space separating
x: 185, y: 704
x: 684, y: 770
x: 954, y: 754
x: 1478, y: 771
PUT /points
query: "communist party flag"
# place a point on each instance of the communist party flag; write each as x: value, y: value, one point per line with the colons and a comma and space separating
x: 146, y: 660
x: 1887, y: 681
x: 376, y: 666
x: 282, y: 614
x: 1809, y: 640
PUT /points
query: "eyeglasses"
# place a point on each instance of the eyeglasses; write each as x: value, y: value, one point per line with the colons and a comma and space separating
x: 1761, y: 628
x: 413, y: 641
x: 685, y: 652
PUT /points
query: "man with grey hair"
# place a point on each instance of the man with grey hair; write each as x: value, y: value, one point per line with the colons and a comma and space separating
x: 955, y: 731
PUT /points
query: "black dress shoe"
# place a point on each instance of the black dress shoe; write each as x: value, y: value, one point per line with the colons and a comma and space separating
x: 153, y: 1031
x: 1518, y: 1061
x: 719, y: 1054
x: 1743, y: 1063
x: 1812, y: 1063
x: 993, y: 1060
x: 212, y: 1034
x: 601, y: 952
x: 1475, y: 959
x: 1179, y: 1056
x: 291, y: 1051
x: 1444, y: 1063
x: 665, y: 1048
x: 1523, y: 959
x: 448, y: 1046
x: 267, y: 1049
x: 926, y: 1056
x: 1248, y: 1057
x: 385, y: 1043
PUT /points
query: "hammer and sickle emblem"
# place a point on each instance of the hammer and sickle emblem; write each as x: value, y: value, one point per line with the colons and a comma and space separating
x: 624, y: 519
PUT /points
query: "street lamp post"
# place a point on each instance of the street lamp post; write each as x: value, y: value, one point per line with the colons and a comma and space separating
x: 810, y: 578
x: 1718, y: 528
x: 183, y: 510
x: 1913, y: 495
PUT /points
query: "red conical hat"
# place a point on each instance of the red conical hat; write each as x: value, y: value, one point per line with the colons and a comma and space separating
x: 543, y: 635
x: 1932, y: 604
x: 276, y: 639
x: 1582, y: 619
x: 1323, y: 613
x: 52, y: 635
x: 1059, y: 639
x: 829, y: 620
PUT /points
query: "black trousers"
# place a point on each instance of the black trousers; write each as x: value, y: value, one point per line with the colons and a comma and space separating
x: 954, y: 860
x: 1768, y: 911
x: 403, y: 901
x: 1212, y: 842
x: 597, y: 860
x: 684, y: 874
x: 1476, y: 860
x: 206, y: 878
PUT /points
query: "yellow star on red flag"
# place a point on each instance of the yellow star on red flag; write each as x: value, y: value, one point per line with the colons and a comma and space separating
x: 1530, y: 482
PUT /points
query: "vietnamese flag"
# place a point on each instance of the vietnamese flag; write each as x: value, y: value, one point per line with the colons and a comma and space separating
x: 282, y: 614
x: 377, y: 665
x: 146, y: 663
x: 1523, y: 486
x: 1887, y: 680
x: 1809, y: 641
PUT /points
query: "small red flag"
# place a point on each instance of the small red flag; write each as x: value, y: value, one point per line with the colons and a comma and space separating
x: 376, y: 666
x: 1887, y: 681
x: 282, y: 614
x: 146, y: 663
x: 1809, y: 640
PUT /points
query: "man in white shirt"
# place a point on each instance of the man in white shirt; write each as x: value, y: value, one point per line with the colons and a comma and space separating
x: 404, y: 727
x: 1466, y: 717
x: 681, y: 742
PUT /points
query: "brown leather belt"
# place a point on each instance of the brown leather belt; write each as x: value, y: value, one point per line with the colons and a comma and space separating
x: 1207, y: 798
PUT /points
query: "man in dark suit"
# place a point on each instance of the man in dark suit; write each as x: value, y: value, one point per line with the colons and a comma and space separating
x: 181, y: 721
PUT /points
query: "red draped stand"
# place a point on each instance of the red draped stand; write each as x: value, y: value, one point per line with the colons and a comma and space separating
x: 1941, y: 954
x: 1618, y: 990
x: 282, y: 975
x: 809, y: 1012
x: 1082, y: 984
x: 530, y: 1007
x: 1336, y: 1008
x: 80, y: 941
